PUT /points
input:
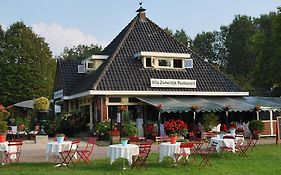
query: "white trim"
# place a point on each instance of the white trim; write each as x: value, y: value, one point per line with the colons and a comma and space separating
x: 162, y: 54
x: 155, y: 93
x: 271, y: 122
x: 95, y: 57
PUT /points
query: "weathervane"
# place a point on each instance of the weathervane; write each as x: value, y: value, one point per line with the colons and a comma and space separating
x: 140, y: 9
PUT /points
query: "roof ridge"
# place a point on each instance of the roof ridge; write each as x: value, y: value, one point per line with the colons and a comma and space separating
x: 111, y: 58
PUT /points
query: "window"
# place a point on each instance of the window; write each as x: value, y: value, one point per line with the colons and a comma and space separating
x: 90, y: 65
x: 188, y: 63
x: 177, y: 63
x: 164, y: 62
x: 148, y: 62
x: 115, y: 100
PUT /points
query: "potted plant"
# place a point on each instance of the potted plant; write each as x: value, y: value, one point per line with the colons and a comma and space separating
x: 209, y: 121
x: 174, y: 128
x: 232, y: 128
x: 4, y: 113
x: 41, y: 104
x: 60, y: 138
x: 102, y: 129
x: 256, y: 127
x: 115, y: 136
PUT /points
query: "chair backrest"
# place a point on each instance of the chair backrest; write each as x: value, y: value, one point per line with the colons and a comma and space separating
x: 14, y: 147
x: 134, y: 139
x: 149, y: 141
x: 91, y: 143
x: 228, y: 137
x: 144, y: 150
x: 186, y: 145
x: 74, y: 144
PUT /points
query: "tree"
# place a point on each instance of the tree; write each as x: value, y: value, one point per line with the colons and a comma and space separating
x: 263, y: 48
x: 240, y: 59
x: 81, y: 52
x: 179, y: 35
x: 204, y: 44
x: 27, y: 67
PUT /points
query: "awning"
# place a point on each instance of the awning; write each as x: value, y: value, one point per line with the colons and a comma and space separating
x: 25, y: 104
x: 209, y: 104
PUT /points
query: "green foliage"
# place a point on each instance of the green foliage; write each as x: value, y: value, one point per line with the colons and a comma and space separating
x: 27, y: 67
x: 81, y: 52
x: 256, y: 125
x: 209, y: 121
x: 3, y: 126
x: 179, y: 35
x: 129, y: 129
x: 103, y: 127
x: 72, y: 123
x: 41, y: 104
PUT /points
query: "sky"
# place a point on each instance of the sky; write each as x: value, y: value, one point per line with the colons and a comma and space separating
x: 68, y: 23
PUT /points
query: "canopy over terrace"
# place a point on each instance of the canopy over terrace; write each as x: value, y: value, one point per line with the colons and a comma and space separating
x: 208, y: 104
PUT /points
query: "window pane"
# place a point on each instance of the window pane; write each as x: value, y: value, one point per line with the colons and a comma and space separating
x: 177, y: 63
x: 148, y: 62
x: 164, y: 62
x: 115, y: 100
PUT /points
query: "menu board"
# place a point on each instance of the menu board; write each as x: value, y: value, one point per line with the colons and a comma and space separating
x: 278, y: 130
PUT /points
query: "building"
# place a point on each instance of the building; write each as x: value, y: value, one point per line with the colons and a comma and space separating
x: 142, y: 68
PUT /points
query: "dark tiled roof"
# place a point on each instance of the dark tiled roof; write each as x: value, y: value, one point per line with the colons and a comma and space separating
x: 68, y: 72
x: 121, y: 72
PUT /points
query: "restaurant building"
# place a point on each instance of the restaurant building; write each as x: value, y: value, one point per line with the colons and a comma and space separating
x: 145, y: 68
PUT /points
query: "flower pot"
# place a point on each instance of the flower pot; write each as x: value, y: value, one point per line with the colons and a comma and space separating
x: 232, y: 131
x: 173, y: 139
x: 3, y: 137
x: 221, y: 136
x: 124, y: 142
x: 115, y: 139
x: 60, y: 139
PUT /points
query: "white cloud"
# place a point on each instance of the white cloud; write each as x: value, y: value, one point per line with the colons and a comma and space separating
x: 60, y: 37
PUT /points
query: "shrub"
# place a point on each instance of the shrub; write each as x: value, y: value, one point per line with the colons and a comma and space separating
x: 209, y: 121
x: 41, y: 104
x: 256, y: 125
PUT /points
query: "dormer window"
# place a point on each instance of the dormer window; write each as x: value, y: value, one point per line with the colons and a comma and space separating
x: 165, y: 60
x: 93, y: 62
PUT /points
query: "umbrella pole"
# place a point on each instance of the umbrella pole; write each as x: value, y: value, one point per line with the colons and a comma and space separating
x: 194, y: 114
x: 226, y: 120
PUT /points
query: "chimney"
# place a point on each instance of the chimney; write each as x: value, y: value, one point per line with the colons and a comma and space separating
x: 141, y: 13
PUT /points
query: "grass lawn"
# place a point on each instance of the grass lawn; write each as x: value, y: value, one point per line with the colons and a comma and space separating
x: 265, y: 159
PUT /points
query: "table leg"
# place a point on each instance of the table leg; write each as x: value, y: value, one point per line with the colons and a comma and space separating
x: 124, y: 165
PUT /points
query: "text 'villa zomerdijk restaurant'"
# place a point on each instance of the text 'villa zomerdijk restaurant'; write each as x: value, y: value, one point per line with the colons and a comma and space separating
x: 150, y: 73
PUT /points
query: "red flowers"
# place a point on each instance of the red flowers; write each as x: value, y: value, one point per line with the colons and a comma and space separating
x: 223, y: 128
x: 115, y: 132
x: 149, y: 128
x: 175, y: 127
x: 232, y: 126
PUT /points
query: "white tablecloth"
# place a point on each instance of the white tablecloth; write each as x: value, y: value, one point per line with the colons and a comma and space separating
x: 53, y: 148
x: 223, y: 142
x: 119, y: 151
x: 168, y: 149
x: 4, y: 147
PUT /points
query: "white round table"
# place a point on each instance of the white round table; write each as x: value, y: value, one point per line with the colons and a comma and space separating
x: 218, y: 142
x: 119, y: 151
x: 168, y: 149
x: 54, y: 148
